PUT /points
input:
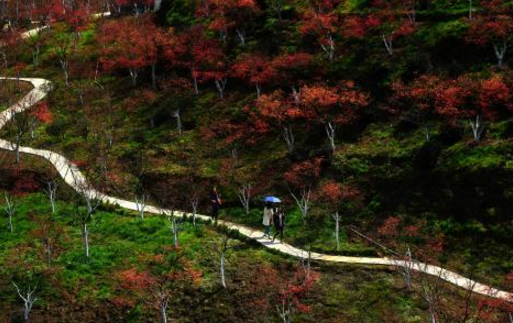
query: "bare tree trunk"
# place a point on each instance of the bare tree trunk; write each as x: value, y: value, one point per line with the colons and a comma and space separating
x: 470, y: 10
x: 388, y: 44
x: 133, y: 76
x: 35, y: 55
x: 234, y: 156
x: 64, y: 66
x: 177, y: 116
x: 303, y: 202
x: 29, y: 298
x: 85, y: 239
x: 51, y: 192
x: 140, y: 203
x: 426, y: 132
x: 288, y: 136
x: 157, y: 5
x: 17, y: 149
x: 242, y: 36
x: 336, y: 217
x: 408, y: 268
x: 10, y: 209
x: 154, y: 75
x: 500, y: 52
x: 220, y: 86
x: 296, y: 95
x: 222, y: 270
x: 244, y: 193
x: 163, y: 310
x: 194, y: 204
x: 48, y: 251
x: 329, y: 47
x: 285, y: 311
x: 195, y: 82
x: 331, y: 132
x: 222, y: 260
x: 174, y: 228
x: 477, y: 128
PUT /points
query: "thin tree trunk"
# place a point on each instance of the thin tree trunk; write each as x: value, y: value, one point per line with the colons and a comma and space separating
x: 331, y: 132
x: 388, y: 44
x: 163, y: 310
x: 154, y: 76
x: 195, y: 82
x: 288, y: 136
x: 477, y: 126
x: 85, y: 239
x: 336, y: 217
x: 222, y: 271
x: 500, y: 53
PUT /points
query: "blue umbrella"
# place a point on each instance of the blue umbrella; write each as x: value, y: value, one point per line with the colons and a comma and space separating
x: 272, y: 199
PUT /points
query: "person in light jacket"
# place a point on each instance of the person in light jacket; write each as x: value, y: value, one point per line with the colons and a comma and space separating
x: 267, y: 219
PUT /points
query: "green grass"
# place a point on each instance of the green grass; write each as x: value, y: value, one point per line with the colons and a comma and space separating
x: 119, y: 240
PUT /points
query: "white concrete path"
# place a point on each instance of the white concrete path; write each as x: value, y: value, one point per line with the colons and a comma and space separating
x: 74, y: 178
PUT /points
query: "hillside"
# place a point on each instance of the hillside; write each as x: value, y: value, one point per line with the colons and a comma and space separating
x: 389, y: 120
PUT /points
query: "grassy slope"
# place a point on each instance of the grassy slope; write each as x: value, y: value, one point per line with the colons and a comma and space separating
x: 79, y: 290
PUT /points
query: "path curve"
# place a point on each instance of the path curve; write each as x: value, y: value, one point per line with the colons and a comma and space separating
x: 74, y: 178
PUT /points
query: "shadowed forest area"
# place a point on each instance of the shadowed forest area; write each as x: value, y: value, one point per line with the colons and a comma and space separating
x: 384, y: 127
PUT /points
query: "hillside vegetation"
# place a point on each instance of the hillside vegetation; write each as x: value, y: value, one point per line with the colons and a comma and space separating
x: 388, y: 119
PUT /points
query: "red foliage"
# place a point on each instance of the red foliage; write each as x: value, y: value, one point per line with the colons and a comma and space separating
x: 338, y: 104
x: 126, y: 44
x: 297, y: 288
x: 391, y: 227
x: 255, y: 69
x: 208, y: 61
x: 42, y: 112
x: 304, y: 174
x: 413, y: 230
x: 470, y: 97
x: 135, y: 280
x: 79, y: 163
x: 276, y: 107
x: 225, y: 14
x: 334, y: 192
x: 420, y: 99
x: 466, y: 96
x: 492, y: 24
x: 287, y: 65
x: 25, y: 184
x: 386, y: 19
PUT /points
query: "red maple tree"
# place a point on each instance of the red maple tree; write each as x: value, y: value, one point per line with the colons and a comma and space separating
x: 493, y: 25
x: 332, y: 105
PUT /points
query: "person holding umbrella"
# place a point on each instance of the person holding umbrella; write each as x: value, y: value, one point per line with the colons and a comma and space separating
x: 267, y: 219
x: 268, y: 214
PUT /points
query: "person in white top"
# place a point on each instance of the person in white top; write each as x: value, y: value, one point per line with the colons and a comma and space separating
x: 267, y: 219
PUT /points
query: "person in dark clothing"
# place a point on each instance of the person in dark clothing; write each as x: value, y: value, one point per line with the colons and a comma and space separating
x: 279, y: 223
x: 215, y: 199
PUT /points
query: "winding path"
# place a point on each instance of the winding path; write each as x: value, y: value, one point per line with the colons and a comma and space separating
x: 74, y: 178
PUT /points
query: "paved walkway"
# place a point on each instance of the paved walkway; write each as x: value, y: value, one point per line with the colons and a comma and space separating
x: 74, y: 178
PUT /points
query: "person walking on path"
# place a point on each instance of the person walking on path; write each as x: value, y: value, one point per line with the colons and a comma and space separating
x: 267, y: 219
x: 215, y: 199
x: 279, y: 223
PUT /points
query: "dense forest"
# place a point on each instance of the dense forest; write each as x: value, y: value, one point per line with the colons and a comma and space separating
x: 384, y: 126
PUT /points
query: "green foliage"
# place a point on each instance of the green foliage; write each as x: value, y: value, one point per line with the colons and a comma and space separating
x: 180, y: 13
x: 433, y: 35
